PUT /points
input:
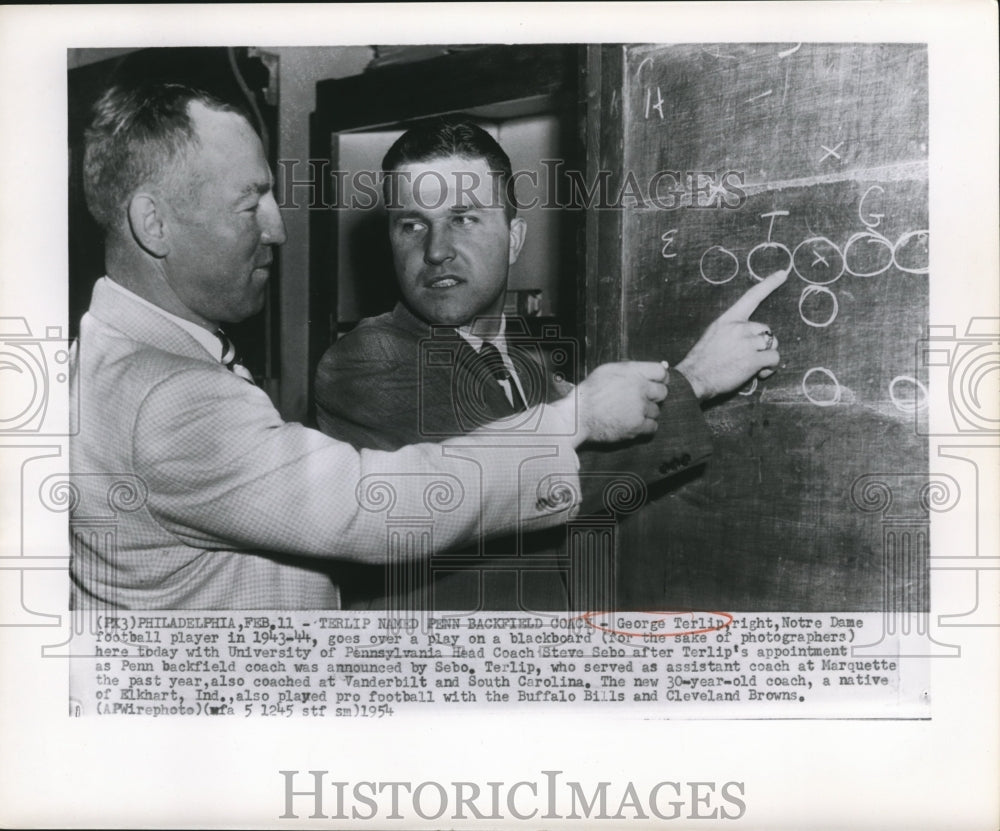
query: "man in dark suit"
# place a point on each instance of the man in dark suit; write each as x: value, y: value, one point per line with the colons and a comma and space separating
x: 446, y: 361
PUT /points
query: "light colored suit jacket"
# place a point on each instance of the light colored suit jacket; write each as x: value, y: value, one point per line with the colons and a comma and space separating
x: 191, y: 492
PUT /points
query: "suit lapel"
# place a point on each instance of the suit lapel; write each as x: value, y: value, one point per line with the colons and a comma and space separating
x: 531, y: 371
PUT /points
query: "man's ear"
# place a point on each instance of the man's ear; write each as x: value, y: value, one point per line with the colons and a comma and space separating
x: 148, y: 224
x: 518, y: 230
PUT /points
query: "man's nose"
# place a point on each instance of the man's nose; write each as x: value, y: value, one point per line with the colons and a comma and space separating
x: 438, y: 248
x: 272, y: 226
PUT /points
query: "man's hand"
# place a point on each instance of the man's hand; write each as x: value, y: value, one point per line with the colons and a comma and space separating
x: 734, y: 348
x: 621, y: 401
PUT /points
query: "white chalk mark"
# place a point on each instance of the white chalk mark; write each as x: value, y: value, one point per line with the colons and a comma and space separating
x: 756, y: 248
x: 758, y: 97
x: 872, y: 236
x: 658, y: 106
x: 753, y: 387
x: 831, y: 151
x: 701, y: 265
x: 820, y: 259
x: 918, y: 402
x: 923, y: 236
x: 638, y: 69
x: 791, y: 51
x: 914, y: 171
x: 719, y: 54
x: 716, y: 189
x: 668, y: 239
x: 819, y: 402
x: 813, y: 241
x: 808, y: 291
x: 877, y: 217
x: 771, y: 215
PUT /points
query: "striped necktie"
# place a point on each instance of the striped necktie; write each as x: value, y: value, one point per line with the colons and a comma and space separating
x: 498, y: 372
x: 230, y: 358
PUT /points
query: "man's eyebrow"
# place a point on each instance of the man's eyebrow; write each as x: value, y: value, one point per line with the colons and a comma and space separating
x: 255, y: 189
x: 473, y: 205
x: 400, y: 214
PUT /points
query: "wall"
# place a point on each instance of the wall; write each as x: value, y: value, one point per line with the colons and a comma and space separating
x: 301, y: 68
x: 527, y: 141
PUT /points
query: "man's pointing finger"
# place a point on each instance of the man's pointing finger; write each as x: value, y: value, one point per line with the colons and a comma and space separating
x: 748, y: 303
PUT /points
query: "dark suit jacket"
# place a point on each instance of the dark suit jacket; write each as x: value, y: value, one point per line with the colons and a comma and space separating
x: 394, y: 381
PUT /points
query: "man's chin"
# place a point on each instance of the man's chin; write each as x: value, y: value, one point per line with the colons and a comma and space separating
x: 438, y: 316
x: 250, y: 309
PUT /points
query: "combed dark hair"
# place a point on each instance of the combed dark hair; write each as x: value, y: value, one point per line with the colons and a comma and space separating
x: 137, y: 134
x: 452, y: 135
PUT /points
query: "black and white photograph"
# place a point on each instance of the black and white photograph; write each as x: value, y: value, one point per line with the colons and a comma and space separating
x: 483, y: 407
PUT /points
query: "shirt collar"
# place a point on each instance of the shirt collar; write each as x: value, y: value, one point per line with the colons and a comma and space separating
x: 206, y: 338
x: 499, y: 340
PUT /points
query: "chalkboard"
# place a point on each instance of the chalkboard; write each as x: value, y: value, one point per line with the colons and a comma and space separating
x: 737, y: 160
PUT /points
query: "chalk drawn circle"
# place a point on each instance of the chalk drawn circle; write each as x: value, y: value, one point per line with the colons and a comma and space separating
x: 764, y: 245
x: 820, y: 402
x: 873, y: 236
x: 918, y: 402
x: 832, y: 245
x: 807, y: 292
x: 923, y: 236
x: 753, y: 387
x: 701, y: 265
